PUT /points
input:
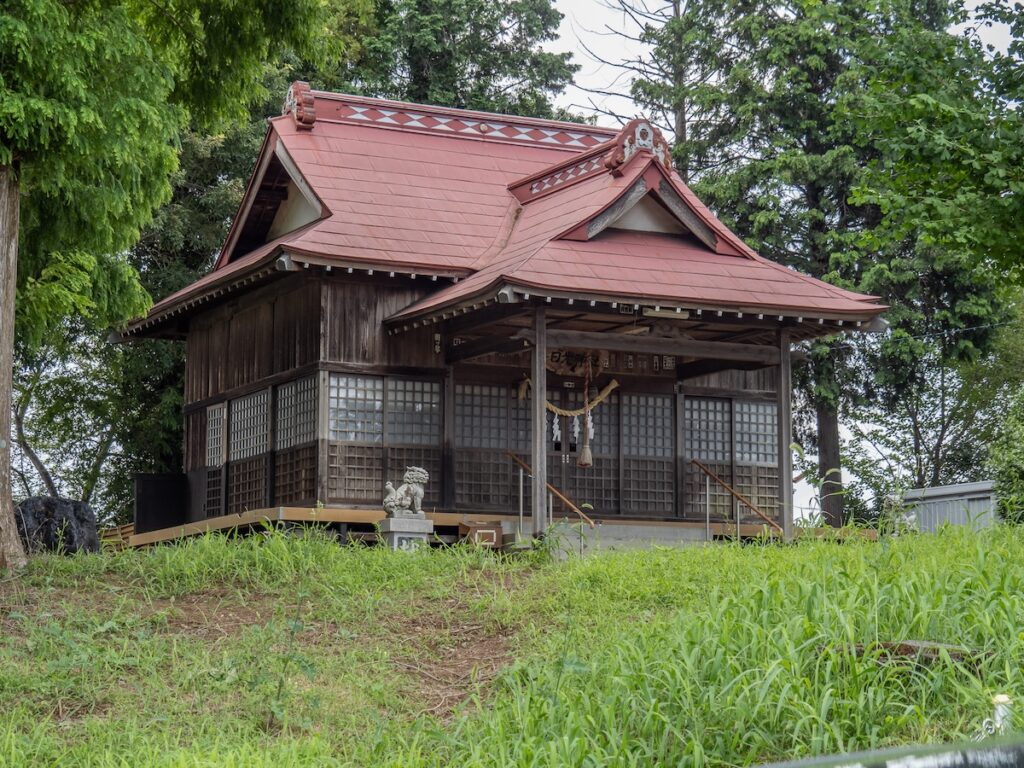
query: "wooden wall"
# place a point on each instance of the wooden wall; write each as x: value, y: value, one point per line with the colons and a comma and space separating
x: 353, y: 332
x: 266, y: 332
x: 761, y: 380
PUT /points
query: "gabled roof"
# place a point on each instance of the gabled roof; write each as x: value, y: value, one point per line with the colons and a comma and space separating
x: 565, y: 242
x: 486, y: 202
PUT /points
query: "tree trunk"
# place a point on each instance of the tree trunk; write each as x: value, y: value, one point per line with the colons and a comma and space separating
x: 680, y: 127
x: 12, y: 553
x: 828, y: 464
x: 93, y: 475
x: 26, y: 448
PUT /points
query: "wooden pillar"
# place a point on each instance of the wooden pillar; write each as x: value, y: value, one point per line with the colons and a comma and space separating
x: 323, y: 386
x: 681, y: 468
x: 785, y: 432
x: 538, y: 453
x: 448, y: 441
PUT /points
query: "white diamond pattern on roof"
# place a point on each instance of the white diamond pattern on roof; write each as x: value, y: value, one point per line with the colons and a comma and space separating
x: 526, y: 133
x: 564, y: 175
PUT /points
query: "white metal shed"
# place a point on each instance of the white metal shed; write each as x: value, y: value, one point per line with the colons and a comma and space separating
x: 962, y: 504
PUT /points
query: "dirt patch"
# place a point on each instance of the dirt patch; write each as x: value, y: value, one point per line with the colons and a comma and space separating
x: 21, y: 602
x: 213, y: 614
x: 452, y: 652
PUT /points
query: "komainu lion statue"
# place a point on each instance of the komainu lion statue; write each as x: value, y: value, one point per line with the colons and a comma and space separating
x: 407, y: 500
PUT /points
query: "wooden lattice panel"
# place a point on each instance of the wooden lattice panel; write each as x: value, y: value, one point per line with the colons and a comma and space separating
x: 249, y: 431
x: 356, y: 408
x: 648, y: 448
x: 696, y: 493
x: 247, y: 484
x: 413, y: 412
x: 355, y: 473
x: 295, y: 474
x: 484, y: 480
x: 482, y: 416
x: 597, y: 485
x: 707, y: 429
x: 757, y: 433
x: 648, y: 487
x: 760, y: 484
x: 648, y: 427
x: 214, y: 502
x: 216, y: 424
x: 296, y: 413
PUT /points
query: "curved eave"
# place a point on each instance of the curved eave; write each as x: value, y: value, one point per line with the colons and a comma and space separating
x: 504, y: 290
x: 163, y: 321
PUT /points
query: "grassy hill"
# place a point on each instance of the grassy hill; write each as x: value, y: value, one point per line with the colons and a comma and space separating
x: 280, y: 651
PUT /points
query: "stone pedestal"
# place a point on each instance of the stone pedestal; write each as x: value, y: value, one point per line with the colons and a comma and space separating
x: 406, y: 533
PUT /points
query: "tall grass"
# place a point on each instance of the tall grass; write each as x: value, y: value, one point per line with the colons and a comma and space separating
x: 760, y: 662
x: 720, y: 655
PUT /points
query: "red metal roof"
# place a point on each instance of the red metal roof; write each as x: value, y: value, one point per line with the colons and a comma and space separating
x: 499, y: 200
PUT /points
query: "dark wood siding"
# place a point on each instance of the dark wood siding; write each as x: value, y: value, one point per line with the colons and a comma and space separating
x: 267, y: 332
x: 760, y: 380
x: 354, y: 332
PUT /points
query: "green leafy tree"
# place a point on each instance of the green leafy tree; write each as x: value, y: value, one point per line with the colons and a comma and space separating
x: 472, y: 54
x: 954, y: 131
x: 94, y: 96
x: 940, y: 429
x: 1006, y: 460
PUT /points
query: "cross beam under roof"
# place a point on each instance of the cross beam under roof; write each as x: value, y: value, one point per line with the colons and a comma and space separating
x: 750, y: 353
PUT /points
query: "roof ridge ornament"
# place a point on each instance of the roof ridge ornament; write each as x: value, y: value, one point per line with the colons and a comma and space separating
x: 636, y: 135
x: 299, y: 102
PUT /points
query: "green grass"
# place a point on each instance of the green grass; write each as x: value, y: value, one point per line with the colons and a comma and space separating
x: 274, y: 650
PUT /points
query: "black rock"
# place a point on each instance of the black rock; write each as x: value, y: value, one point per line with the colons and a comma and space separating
x: 46, y: 524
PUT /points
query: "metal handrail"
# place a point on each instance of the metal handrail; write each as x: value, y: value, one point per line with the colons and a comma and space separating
x: 736, y: 495
x: 554, y: 491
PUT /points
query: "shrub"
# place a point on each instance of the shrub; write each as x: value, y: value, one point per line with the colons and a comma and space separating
x: 1006, y: 459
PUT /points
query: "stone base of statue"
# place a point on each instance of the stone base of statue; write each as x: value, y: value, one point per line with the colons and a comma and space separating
x: 406, y: 533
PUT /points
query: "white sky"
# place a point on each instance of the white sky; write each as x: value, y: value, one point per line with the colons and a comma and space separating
x: 590, y: 24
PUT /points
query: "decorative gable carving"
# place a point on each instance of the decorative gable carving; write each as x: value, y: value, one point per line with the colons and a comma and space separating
x: 635, y: 136
x: 300, y: 104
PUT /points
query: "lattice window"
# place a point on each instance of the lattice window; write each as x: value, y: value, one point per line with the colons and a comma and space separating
x: 597, y: 485
x: 756, y: 433
x: 647, y: 426
x: 708, y: 429
x: 296, y: 413
x: 481, y: 416
x: 413, y: 412
x: 249, y: 430
x: 215, y: 422
x: 519, y: 421
x: 649, y: 487
x: 760, y: 484
x: 356, y: 409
